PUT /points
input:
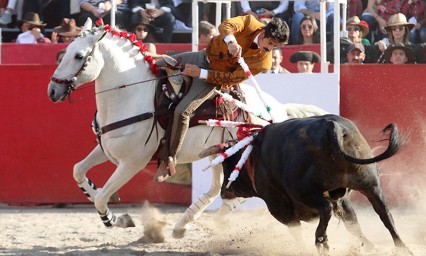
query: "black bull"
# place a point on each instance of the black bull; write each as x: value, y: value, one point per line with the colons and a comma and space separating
x: 304, y: 169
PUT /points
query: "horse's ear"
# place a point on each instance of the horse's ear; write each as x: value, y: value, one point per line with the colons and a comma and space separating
x: 87, y: 25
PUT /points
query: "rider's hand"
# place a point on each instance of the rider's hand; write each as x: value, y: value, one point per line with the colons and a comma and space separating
x: 234, y: 49
x: 191, y: 70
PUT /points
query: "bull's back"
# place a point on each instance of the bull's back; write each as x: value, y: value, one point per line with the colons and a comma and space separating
x: 299, y: 151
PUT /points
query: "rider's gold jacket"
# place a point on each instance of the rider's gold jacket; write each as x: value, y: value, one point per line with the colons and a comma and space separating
x: 225, y: 69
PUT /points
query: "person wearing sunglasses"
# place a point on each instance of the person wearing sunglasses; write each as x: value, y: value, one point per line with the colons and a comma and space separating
x: 311, y: 8
x: 143, y: 31
x: 398, y: 30
x: 309, y: 33
x: 357, y: 29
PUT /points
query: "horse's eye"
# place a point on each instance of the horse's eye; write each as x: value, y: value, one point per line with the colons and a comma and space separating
x: 79, y: 56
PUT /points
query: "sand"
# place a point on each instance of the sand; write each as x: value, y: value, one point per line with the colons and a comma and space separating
x: 77, y: 230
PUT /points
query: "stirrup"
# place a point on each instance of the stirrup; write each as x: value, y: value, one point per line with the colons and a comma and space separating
x: 165, y: 170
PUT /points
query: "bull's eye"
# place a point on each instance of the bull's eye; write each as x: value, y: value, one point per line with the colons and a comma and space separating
x: 78, y: 56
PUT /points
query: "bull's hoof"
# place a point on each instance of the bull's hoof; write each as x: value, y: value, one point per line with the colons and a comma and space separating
x: 403, y: 251
x: 179, y: 233
x: 125, y: 221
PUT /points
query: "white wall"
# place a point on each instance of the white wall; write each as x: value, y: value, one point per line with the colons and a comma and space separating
x: 321, y: 90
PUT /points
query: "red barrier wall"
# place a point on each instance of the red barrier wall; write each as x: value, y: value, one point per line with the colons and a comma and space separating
x: 41, y: 142
x: 376, y: 95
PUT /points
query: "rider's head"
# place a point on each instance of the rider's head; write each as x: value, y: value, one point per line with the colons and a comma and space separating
x: 277, y: 30
x: 274, y: 34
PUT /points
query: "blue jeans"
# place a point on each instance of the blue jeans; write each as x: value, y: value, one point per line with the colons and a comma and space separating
x: 422, y: 36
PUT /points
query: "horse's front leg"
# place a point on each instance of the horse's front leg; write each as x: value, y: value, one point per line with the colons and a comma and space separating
x: 96, y: 157
x: 197, y: 208
x: 121, y: 176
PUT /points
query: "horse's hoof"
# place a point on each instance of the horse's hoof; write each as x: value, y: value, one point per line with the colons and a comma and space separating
x: 179, y: 233
x: 125, y: 221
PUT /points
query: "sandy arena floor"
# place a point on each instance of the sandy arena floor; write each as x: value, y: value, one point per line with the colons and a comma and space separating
x: 77, y: 230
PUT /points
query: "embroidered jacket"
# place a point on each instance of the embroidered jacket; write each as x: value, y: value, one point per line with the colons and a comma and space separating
x: 225, y: 69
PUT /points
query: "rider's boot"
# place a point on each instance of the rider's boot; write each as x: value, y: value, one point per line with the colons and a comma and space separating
x: 165, y: 170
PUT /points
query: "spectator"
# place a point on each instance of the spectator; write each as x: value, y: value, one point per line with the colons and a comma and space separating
x: 309, y: 31
x: 277, y: 58
x: 66, y: 32
x: 267, y: 9
x: 6, y: 15
x: 305, y: 61
x: 36, y: 6
x: 357, y: 29
x: 159, y: 16
x: 143, y: 31
x: 414, y: 10
x: 206, y: 31
x: 355, y: 53
x: 95, y: 9
x: 241, y: 36
x: 183, y: 14
x: 60, y: 56
x: 311, y: 8
x: 56, y: 10
x: 31, y: 27
x: 398, y: 31
x: 354, y: 8
x: 377, y: 14
x: 399, y: 54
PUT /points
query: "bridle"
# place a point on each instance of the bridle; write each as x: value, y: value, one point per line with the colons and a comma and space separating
x: 70, y: 82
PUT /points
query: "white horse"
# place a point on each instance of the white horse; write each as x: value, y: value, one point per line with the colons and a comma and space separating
x: 113, y: 59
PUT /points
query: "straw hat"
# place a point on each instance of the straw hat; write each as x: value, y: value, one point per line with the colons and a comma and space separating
x: 355, y: 21
x: 398, y: 19
x: 409, y: 53
x: 67, y: 28
x: 305, y: 56
x: 33, y: 19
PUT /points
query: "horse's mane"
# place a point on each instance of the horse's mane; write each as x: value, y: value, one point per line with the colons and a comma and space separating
x: 131, y: 37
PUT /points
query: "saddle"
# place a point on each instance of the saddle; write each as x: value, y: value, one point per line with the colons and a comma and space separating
x: 170, y: 90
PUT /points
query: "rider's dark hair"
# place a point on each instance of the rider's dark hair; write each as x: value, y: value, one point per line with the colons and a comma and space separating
x: 277, y: 30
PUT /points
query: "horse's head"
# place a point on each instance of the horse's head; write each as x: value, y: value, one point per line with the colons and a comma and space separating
x: 81, y: 64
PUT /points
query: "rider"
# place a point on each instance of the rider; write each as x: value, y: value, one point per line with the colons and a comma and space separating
x: 217, y: 68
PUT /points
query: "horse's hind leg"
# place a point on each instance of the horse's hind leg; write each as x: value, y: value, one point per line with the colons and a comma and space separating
x: 95, y: 157
x: 197, y: 208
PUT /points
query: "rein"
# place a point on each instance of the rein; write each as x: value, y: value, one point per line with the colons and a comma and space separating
x: 111, y: 89
x: 116, y: 125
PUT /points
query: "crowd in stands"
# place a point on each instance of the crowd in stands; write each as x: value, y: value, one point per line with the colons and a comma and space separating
x: 372, y: 28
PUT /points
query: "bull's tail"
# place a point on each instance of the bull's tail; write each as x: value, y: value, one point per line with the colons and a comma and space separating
x: 394, y: 146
